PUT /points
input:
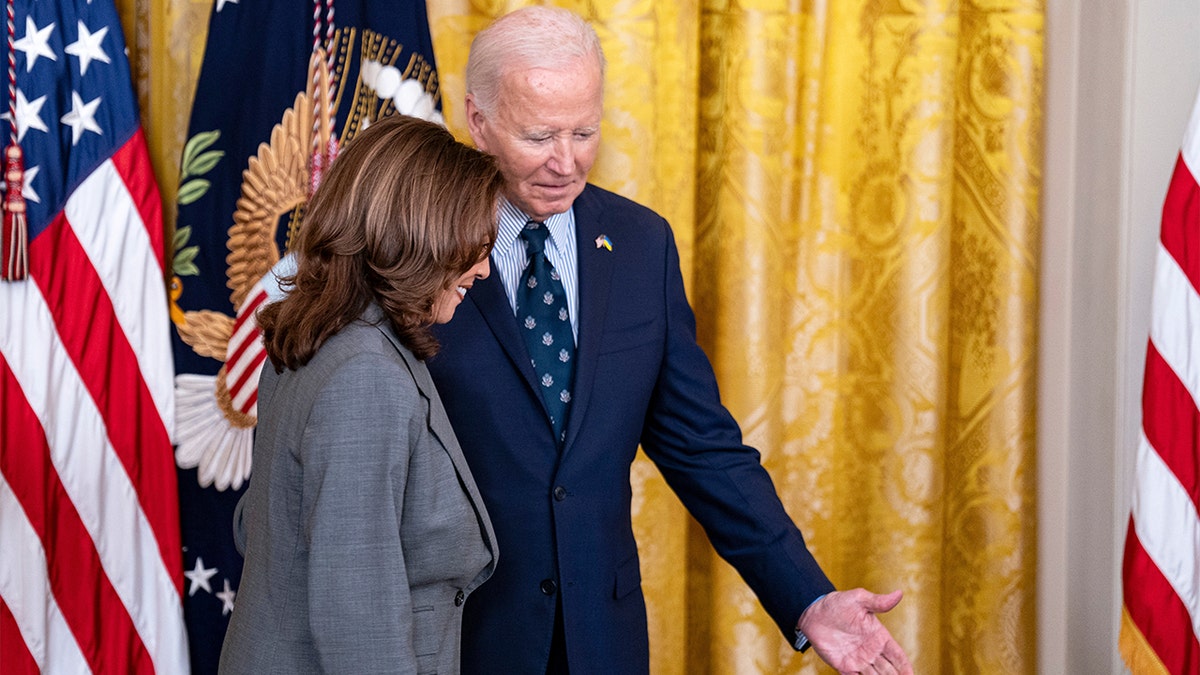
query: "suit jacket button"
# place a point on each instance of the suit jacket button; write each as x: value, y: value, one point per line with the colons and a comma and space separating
x: 560, y: 493
x: 459, y: 599
x: 549, y: 587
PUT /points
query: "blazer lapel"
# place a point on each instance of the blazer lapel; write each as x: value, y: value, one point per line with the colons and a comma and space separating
x: 438, y: 423
x: 439, y: 426
x: 489, y: 297
x: 595, y: 276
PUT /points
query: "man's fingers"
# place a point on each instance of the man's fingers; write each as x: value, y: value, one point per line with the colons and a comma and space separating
x: 894, y: 654
x: 884, y: 603
x: 879, y: 667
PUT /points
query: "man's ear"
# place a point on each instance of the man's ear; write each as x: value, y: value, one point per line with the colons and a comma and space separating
x: 475, y: 122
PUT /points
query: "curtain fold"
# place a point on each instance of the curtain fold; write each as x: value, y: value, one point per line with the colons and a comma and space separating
x: 854, y: 187
x: 165, y: 39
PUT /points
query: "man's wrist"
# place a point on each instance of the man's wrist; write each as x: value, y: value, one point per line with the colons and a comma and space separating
x: 801, y: 643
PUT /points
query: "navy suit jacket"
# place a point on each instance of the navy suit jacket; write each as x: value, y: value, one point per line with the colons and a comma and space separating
x: 564, y: 518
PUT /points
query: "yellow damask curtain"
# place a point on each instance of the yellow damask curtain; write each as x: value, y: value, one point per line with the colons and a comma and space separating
x: 854, y: 186
x: 166, y: 45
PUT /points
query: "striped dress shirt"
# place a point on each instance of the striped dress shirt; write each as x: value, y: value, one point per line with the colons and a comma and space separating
x: 509, y: 258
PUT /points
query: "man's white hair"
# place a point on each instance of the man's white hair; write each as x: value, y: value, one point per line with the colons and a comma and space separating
x: 531, y: 37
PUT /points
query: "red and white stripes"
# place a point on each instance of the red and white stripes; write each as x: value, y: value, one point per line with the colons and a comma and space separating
x: 1161, y: 571
x: 246, y: 353
x: 89, y: 524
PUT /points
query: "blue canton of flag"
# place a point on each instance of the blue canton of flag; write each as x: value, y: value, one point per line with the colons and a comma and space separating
x: 67, y: 75
x: 267, y: 118
x: 90, y: 558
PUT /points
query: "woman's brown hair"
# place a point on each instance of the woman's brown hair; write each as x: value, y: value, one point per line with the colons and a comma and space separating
x: 404, y: 210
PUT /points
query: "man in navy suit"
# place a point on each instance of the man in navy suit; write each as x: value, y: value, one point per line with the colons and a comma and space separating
x: 551, y: 450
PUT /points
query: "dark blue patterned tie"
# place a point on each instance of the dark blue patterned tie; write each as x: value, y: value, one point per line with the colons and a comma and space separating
x: 546, y: 325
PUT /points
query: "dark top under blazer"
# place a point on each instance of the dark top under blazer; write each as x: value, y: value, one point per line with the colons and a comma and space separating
x: 640, y: 378
x: 362, y: 528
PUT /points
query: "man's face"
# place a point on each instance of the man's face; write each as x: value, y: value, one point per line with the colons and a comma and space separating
x: 544, y: 134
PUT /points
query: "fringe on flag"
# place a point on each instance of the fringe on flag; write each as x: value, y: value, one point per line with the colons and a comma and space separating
x: 1139, y: 657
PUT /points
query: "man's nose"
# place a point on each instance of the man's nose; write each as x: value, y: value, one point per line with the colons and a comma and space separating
x: 562, y: 156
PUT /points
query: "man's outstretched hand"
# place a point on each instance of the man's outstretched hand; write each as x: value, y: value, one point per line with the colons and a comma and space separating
x: 845, y: 632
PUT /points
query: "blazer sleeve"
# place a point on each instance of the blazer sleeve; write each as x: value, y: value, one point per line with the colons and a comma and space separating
x: 697, y: 445
x: 354, y: 451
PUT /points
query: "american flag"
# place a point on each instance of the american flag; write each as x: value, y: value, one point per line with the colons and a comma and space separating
x: 90, y: 560
x: 1161, y: 573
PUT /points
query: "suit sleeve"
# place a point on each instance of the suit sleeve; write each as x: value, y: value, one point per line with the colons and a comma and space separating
x: 697, y: 445
x: 355, y: 451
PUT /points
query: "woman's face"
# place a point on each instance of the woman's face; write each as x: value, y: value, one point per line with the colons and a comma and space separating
x: 447, y: 301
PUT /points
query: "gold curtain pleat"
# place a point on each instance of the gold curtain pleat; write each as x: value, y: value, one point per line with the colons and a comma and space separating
x: 854, y: 186
x: 166, y: 45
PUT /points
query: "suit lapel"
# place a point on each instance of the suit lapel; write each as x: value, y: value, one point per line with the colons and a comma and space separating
x: 595, y: 267
x: 489, y: 297
x: 595, y: 276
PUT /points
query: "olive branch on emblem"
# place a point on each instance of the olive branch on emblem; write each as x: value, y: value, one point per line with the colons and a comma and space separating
x: 197, y: 161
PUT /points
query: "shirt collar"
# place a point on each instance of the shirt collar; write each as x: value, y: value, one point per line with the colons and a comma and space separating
x: 512, y: 220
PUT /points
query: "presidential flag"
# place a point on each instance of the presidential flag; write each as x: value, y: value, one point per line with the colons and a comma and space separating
x: 283, y: 84
x: 1160, y: 620
x: 90, y: 569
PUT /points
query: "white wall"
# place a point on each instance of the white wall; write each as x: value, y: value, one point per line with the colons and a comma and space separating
x: 1121, y: 79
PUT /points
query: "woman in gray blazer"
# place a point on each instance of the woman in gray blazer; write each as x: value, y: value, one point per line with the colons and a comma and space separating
x: 362, y: 528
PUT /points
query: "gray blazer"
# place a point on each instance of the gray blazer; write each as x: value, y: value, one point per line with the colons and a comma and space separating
x: 362, y: 528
